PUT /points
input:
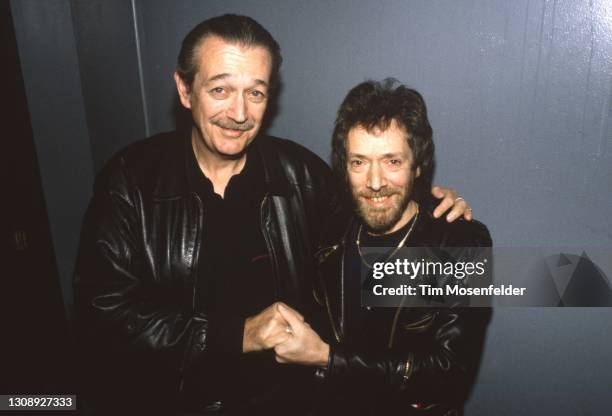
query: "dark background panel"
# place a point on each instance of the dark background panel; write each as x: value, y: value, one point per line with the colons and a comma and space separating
x: 50, y: 66
x: 36, y: 348
x: 110, y: 75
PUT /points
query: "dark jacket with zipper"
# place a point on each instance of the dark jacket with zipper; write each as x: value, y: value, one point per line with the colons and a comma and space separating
x: 135, y: 282
x: 415, y: 360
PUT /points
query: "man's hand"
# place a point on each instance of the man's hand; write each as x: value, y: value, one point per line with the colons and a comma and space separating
x: 267, y: 329
x: 303, y: 346
x: 450, y: 198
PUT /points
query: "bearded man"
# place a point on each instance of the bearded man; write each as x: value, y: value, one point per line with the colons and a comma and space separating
x: 382, y: 361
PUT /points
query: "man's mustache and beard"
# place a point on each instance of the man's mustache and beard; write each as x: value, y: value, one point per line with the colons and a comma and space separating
x: 382, y: 219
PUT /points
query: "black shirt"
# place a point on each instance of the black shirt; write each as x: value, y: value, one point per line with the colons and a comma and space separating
x: 233, y: 252
x: 235, y: 280
x: 357, y: 274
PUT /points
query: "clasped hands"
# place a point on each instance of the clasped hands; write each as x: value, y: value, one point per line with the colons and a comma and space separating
x: 283, y: 329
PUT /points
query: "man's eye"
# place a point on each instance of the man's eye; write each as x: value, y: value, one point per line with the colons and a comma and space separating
x: 395, y: 162
x: 257, y: 95
x: 217, y: 91
x: 356, y: 163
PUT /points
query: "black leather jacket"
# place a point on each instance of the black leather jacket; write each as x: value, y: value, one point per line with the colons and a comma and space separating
x: 421, y: 360
x: 135, y: 277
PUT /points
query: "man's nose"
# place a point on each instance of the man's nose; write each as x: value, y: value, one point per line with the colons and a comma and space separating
x: 376, y: 178
x: 237, y: 110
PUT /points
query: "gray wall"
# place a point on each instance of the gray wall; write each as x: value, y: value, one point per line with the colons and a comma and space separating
x: 50, y: 66
x: 519, y: 95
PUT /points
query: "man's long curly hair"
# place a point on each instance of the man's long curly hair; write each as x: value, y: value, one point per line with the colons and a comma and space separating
x: 374, y: 105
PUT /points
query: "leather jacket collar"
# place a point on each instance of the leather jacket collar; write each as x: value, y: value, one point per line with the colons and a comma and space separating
x: 173, y: 178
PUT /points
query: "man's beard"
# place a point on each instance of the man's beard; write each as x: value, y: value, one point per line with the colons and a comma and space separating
x: 381, y: 220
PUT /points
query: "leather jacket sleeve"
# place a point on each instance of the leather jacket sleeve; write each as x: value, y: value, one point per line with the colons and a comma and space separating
x: 121, y: 310
x: 435, y: 359
x: 433, y: 356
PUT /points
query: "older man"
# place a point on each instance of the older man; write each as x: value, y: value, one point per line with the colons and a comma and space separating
x: 192, y: 239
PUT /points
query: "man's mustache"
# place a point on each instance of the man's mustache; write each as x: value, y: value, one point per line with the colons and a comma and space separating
x: 230, y: 124
x: 379, y: 194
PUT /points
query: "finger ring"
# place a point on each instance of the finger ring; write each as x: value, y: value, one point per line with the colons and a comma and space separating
x: 459, y: 199
x: 288, y: 329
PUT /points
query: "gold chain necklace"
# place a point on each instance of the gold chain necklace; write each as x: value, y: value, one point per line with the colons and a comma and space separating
x: 401, y: 243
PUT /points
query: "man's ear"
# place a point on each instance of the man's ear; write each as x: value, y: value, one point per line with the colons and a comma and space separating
x: 183, y: 90
x: 418, y: 171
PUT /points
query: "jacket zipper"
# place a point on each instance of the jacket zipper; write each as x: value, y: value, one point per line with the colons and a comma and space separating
x: 326, y: 296
x: 269, y: 246
x: 329, y: 313
x: 394, y: 324
x: 196, y: 250
x: 196, y: 255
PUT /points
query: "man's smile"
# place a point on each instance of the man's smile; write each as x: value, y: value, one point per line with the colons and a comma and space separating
x: 231, y: 132
x: 378, y: 201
